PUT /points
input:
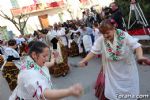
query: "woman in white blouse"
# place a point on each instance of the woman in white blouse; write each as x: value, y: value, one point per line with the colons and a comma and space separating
x: 118, y: 61
x: 34, y: 81
x: 10, y: 52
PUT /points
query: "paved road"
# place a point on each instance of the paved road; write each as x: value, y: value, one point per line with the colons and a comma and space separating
x: 87, y: 77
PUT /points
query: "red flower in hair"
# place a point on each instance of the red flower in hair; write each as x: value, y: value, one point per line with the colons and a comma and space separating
x: 113, y: 22
x: 116, y: 25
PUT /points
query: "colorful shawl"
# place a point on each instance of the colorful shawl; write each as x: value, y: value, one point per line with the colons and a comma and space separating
x: 30, y: 64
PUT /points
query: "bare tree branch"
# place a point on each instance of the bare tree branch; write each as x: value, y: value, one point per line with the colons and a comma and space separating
x: 18, y: 24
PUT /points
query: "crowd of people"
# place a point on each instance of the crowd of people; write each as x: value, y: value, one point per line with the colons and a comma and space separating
x: 47, y: 50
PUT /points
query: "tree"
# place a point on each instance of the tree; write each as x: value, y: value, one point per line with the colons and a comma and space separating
x: 19, y: 21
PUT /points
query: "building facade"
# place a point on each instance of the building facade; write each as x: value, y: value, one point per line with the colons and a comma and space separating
x: 45, y: 12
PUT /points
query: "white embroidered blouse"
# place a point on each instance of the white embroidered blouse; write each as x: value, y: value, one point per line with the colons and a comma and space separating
x: 118, y: 61
x: 32, y: 81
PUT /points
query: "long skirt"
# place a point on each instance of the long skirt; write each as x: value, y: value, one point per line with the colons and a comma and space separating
x: 10, y: 73
x: 61, y: 69
x: 73, y: 50
x: 1, y: 60
x: 100, y: 86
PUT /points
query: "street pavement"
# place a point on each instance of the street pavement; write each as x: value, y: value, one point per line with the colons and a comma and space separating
x: 86, y: 76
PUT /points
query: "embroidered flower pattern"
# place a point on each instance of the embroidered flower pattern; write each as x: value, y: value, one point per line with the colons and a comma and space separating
x: 116, y: 54
x: 31, y: 64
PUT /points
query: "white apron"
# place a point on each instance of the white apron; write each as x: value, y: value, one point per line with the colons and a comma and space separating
x: 87, y: 42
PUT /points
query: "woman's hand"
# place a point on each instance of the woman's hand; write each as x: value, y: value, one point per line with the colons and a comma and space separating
x: 83, y: 63
x: 49, y: 64
x: 56, y: 54
x: 143, y: 61
x: 139, y: 54
x: 76, y: 90
x: 53, y: 61
x: 57, y: 94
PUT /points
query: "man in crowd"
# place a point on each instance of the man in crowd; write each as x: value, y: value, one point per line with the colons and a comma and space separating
x: 117, y: 15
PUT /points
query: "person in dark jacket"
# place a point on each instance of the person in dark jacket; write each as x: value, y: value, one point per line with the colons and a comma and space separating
x: 117, y: 15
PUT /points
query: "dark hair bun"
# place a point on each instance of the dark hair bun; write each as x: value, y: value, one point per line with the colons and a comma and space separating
x: 37, y: 47
x: 11, y: 42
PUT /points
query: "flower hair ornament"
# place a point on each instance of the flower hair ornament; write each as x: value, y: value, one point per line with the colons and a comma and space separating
x: 113, y: 22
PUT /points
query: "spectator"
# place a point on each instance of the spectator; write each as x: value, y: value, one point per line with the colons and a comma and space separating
x: 10, y: 52
x: 117, y: 15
